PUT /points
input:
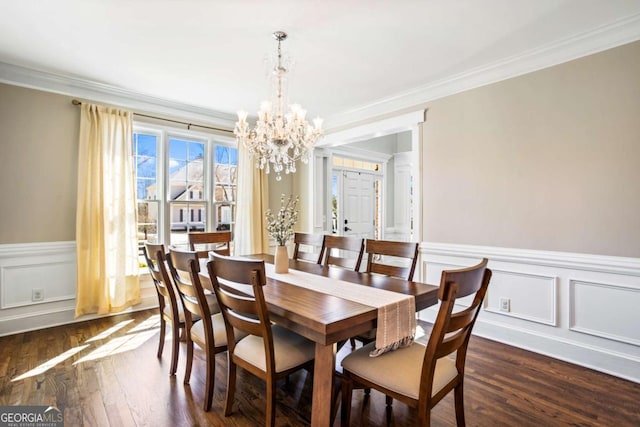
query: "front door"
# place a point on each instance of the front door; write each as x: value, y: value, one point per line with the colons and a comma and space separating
x: 359, y: 213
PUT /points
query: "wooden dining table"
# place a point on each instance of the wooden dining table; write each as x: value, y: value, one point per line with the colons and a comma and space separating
x: 327, y: 319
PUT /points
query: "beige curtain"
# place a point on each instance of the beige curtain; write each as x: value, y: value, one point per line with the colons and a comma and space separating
x: 106, y: 230
x: 250, y: 235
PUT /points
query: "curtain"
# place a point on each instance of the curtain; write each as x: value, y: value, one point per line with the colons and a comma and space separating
x: 250, y: 235
x: 106, y: 228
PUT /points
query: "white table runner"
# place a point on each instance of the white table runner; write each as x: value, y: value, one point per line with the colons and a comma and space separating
x: 396, y: 311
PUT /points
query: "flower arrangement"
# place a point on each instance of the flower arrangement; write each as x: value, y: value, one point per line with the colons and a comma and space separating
x: 280, y: 225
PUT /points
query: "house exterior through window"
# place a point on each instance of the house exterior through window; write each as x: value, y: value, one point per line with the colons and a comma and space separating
x: 186, y: 181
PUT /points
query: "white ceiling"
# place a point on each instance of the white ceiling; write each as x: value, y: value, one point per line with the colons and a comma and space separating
x: 350, y: 55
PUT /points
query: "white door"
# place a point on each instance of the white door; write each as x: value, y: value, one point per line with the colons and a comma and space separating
x: 358, y: 215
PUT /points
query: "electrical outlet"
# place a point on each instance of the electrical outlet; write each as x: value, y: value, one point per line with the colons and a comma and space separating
x: 37, y: 294
x: 505, y: 304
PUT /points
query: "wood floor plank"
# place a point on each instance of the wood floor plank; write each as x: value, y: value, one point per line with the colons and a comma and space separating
x: 125, y: 384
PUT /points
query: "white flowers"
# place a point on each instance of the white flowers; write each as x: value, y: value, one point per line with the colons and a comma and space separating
x: 280, y: 225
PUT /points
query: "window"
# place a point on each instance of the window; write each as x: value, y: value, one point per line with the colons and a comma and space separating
x: 145, y: 152
x: 225, y: 171
x: 186, y: 181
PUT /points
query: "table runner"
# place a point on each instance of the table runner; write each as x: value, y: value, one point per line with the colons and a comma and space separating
x: 396, y: 311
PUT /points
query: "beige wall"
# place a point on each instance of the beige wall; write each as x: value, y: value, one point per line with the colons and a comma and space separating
x: 38, y: 166
x: 548, y: 161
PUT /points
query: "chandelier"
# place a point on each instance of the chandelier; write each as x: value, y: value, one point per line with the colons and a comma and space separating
x: 282, y: 135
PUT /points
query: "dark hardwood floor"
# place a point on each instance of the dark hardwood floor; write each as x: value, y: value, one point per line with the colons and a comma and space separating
x: 105, y: 373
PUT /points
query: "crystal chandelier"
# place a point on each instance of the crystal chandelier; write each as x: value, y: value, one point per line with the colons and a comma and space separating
x: 281, y: 136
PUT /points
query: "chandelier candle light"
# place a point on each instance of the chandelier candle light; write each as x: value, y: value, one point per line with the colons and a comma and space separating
x: 280, y: 138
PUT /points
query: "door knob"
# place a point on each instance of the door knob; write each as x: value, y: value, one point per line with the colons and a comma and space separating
x: 347, y: 229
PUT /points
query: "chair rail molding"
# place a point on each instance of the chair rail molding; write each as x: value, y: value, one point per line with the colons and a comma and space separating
x: 579, y: 308
x: 50, y: 269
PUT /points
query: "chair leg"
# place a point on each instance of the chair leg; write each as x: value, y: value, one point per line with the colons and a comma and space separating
x: 271, y: 402
x: 210, y: 381
x: 163, y: 331
x: 231, y: 386
x: 459, y: 403
x: 187, y: 371
x: 353, y: 343
x: 389, y: 402
x: 175, y: 349
x: 345, y: 410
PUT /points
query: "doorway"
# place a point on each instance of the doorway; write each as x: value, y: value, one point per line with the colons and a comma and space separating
x: 356, y: 203
x: 397, y: 211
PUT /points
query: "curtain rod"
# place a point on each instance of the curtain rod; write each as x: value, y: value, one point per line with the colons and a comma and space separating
x: 77, y: 102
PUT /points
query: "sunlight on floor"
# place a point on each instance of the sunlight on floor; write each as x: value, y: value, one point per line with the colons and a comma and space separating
x: 119, y: 345
x: 51, y: 363
x: 110, y: 331
x: 151, y: 322
x: 133, y: 339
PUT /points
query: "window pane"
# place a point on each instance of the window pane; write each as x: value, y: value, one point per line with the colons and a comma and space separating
x: 148, y: 221
x: 186, y: 181
x: 186, y: 217
x: 225, y: 193
x: 225, y: 174
x: 224, y: 216
x: 147, y: 145
x: 177, y: 149
x: 196, y: 150
x: 146, y: 166
x: 222, y: 154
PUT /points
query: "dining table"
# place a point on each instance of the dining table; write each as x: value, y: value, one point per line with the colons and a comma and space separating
x: 328, y: 319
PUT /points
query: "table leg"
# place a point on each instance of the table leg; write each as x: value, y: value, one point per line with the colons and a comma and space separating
x: 323, y: 385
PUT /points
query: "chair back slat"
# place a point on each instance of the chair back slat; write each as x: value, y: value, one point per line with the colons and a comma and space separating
x: 185, y: 269
x: 314, y: 241
x: 216, y: 241
x: 379, y: 251
x: 350, y: 244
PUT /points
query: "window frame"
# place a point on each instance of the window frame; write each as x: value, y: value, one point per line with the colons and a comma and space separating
x: 163, y: 135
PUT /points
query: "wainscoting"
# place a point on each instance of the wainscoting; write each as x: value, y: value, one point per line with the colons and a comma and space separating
x: 38, y: 286
x: 583, y: 309
x: 579, y: 308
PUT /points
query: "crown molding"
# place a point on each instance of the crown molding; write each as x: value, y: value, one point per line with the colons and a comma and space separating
x: 604, y: 37
x: 112, y: 95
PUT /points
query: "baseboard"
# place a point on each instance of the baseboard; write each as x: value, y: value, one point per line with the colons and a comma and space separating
x: 49, y: 318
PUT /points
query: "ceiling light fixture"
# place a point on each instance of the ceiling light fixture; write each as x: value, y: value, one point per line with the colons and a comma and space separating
x: 281, y: 136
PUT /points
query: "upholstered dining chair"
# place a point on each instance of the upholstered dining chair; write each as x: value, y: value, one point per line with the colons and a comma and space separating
x: 170, y: 308
x: 204, y: 242
x: 305, y: 240
x: 269, y: 352
x: 209, y: 333
x: 347, y: 245
x: 396, y: 259
x: 420, y: 375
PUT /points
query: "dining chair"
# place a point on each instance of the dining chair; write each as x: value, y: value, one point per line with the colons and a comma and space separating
x: 270, y: 352
x: 204, y: 242
x: 346, y: 245
x: 395, y: 259
x: 305, y: 240
x: 209, y: 333
x: 170, y: 308
x: 420, y: 375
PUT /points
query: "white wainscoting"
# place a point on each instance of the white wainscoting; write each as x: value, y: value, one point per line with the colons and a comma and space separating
x: 580, y: 308
x: 51, y: 268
